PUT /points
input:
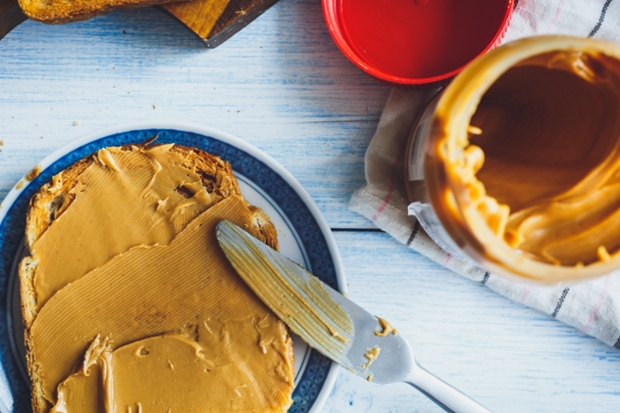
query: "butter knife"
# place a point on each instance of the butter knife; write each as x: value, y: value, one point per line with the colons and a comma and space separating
x: 332, y: 324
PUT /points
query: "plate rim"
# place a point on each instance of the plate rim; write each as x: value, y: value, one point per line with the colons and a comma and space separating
x: 126, y: 127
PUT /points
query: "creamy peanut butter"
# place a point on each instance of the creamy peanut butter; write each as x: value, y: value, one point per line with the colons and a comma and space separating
x: 82, y: 391
x: 371, y: 354
x: 126, y: 199
x: 143, y: 312
x: 551, y: 142
x: 34, y: 172
x: 386, y: 328
x: 530, y: 158
x: 211, y: 371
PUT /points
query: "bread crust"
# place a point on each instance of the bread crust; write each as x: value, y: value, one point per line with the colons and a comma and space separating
x: 63, y: 11
x: 54, y: 198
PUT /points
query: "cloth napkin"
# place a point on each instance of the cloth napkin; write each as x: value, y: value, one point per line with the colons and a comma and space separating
x: 594, y: 306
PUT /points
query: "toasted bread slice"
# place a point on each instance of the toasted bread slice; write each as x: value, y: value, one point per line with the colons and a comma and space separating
x: 54, y: 199
x: 64, y: 11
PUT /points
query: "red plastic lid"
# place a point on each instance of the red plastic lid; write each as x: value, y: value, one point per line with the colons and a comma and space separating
x: 416, y: 42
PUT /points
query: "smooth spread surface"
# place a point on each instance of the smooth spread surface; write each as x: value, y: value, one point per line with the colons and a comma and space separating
x: 545, y: 169
x: 122, y: 200
x: 166, y: 324
x: 210, y: 370
x: 150, y: 291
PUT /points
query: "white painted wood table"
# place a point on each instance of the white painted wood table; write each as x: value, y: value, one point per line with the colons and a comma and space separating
x: 282, y: 85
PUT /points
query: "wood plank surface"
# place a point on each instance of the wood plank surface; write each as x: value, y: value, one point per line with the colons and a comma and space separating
x: 282, y: 85
x: 508, y: 357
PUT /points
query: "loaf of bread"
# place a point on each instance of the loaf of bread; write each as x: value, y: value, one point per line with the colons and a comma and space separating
x: 128, y: 207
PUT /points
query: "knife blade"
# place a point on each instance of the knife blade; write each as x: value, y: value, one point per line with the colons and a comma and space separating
x: 331, y: 323
x: 321, y: 316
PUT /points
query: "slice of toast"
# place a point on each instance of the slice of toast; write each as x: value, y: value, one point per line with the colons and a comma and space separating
x: 54, y: 199
x: 64, y: 11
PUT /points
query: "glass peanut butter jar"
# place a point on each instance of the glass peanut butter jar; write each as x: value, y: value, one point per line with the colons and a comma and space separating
x: 516, y: 164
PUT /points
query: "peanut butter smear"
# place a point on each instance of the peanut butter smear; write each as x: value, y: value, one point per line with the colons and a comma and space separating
x: 371, y: 354
x: 125, y: 201
x: 543, y: 164
x: 174, y: 373
x: 81, y: 392
x: 34, y: 172
x: 184, y: 288
x: 149, y: 316
x: 386, y: 328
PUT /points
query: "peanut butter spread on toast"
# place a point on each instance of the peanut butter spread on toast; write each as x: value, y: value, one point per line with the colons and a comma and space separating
x: 143, y: 191
x: 138, y: 310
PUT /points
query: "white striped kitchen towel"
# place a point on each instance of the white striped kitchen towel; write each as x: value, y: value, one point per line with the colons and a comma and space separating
x: 592, y: 307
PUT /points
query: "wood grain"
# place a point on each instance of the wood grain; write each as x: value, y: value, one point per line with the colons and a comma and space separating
x: 215, y: 21
x: 199, y: 16
x: 510, y: 358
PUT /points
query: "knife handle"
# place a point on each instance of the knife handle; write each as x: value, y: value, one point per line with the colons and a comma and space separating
x: 446, y: 396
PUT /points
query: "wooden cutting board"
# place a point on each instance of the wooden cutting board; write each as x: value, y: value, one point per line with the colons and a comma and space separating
x: 214, y: 21
x: 10, y: 16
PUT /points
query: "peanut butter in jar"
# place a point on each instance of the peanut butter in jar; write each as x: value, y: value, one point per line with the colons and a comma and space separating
x: 516, y: 165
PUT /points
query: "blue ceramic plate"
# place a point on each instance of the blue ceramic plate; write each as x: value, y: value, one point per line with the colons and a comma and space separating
x: 303, y: 236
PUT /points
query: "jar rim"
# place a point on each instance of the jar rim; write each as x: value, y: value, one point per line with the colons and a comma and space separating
x: 449, y: 138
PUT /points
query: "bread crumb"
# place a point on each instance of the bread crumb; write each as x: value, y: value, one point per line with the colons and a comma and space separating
x: 153, y: 107
x: 75, y: 123
x: 1, y: 143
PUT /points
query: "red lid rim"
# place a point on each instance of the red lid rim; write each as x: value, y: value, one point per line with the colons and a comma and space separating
x: 329, y: 14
